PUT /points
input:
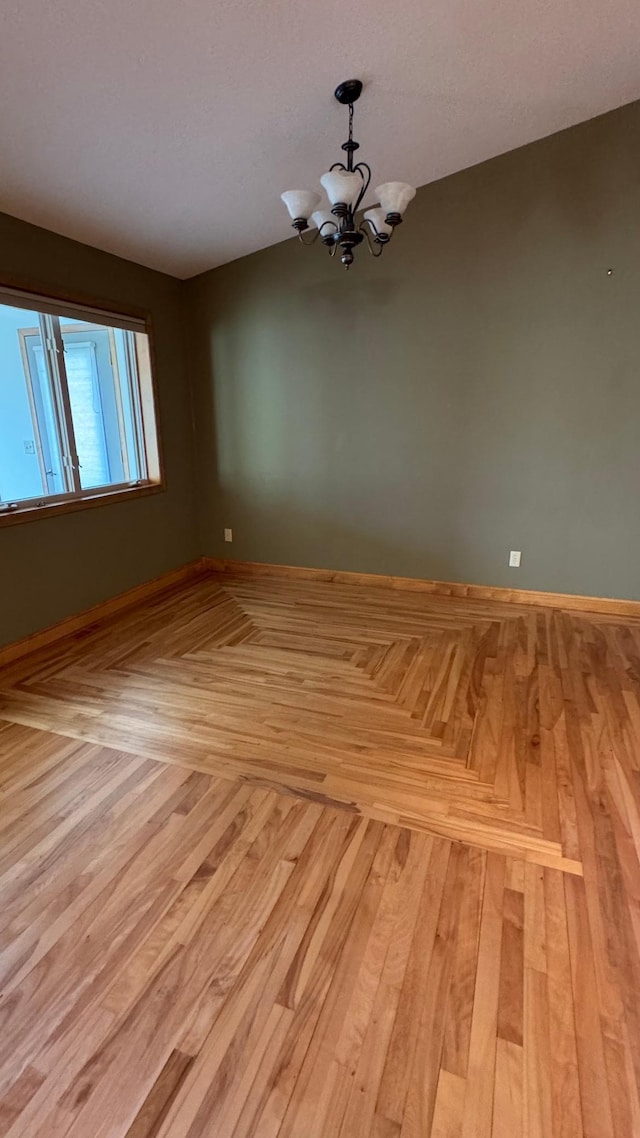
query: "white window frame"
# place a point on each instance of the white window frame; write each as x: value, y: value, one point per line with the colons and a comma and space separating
x: 52, y: 312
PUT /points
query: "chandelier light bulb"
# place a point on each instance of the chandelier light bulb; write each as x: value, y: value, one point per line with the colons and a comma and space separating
x: 300, y: 203
x: 377, y: 219
x: 394, y: 197
x: 342, y: 187
x: 325, y: 222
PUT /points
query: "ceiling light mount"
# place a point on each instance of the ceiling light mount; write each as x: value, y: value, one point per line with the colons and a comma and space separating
x: 345, y: 187
x: 349, y: 91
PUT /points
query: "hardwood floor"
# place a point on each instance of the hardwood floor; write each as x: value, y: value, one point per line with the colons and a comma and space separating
x: 434, y: 933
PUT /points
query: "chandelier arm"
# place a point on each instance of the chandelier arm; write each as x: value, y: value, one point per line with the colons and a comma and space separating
x: 367, y: 227
x: 365, y: 173
x: 313, y: 239
x: 375, y: 247
x: 333, y: 223
x: 318, y: 233
x: 339, y: 166
x: 380, y: 238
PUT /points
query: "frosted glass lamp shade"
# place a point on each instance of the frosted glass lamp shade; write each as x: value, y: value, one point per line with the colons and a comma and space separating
x: 300, y: 203
x: 394, y: 197
x: 341, y: 186
x: 324, y: 217
x: 377, y: 218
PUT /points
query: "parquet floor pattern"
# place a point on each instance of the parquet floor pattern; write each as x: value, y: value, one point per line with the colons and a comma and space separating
x: 422, y: 711
x: 434, y: 933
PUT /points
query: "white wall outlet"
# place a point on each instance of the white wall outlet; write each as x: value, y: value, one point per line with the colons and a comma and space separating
x: 514, y: 559
x: 228, y: 535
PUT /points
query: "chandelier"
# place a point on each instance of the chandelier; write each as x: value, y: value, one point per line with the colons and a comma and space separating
x: 345, y: 187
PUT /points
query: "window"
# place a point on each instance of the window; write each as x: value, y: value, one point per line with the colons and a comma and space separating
x: 76, y: 405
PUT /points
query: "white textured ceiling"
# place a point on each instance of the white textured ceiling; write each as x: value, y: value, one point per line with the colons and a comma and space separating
x: 164, y: 130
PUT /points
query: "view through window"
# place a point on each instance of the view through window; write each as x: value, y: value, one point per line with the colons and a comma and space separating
x: 76, y: 404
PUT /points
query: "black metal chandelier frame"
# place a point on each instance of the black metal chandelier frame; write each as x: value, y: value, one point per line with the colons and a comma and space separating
x: 345, y: 233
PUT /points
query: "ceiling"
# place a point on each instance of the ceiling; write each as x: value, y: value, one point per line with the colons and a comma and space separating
x: 165, y: 130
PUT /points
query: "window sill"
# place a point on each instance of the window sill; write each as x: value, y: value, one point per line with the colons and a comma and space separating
x: 29, y: 513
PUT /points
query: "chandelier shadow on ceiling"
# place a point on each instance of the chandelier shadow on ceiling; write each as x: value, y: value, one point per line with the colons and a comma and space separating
x: 345, y: 187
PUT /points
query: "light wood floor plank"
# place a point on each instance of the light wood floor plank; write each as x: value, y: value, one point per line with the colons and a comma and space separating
x: 283, y: 858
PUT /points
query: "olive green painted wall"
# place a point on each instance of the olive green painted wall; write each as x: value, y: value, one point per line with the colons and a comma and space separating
x: 475, y: 390
x: 51, y: 568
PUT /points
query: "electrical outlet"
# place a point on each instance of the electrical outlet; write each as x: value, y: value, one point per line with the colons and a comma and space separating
x: 514, y: 559
x: 228, y: 535
x: 29, y: 446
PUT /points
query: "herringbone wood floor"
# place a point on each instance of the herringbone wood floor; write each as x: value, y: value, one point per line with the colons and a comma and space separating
x: 433, y: 933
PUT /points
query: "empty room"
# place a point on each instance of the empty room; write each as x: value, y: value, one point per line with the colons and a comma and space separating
x: 320, y: 569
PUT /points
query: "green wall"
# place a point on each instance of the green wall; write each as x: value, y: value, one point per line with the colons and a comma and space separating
x: 51, y: 568
x: 475, y: 390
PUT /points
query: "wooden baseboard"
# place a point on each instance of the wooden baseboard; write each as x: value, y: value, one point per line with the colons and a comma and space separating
x: 100, y: 612
x: 571, y: 601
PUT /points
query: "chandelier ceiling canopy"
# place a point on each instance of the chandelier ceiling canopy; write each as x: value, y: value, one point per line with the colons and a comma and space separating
x: 334, y: 220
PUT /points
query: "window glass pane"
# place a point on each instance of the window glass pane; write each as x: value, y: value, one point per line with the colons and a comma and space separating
x: 45, y: 412
x: 129, y: 396
x: 76, y: 402
x: 98, y: 366
x: 88, y: 413
x: 30, y: 459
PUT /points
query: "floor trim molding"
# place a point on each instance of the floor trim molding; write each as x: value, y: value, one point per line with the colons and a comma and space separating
x: 571, y: 601
x: 206, y: 565
x: 100, y: 612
